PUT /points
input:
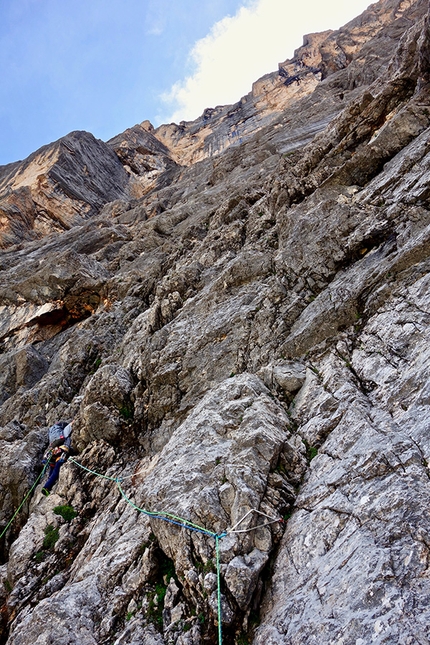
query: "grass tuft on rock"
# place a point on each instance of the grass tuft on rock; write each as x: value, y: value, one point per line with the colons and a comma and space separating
x: 51, y: 536
x: 68, y: 513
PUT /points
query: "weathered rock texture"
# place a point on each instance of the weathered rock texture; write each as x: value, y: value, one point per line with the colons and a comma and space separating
x: 235, y: 311
x: 57, y: 187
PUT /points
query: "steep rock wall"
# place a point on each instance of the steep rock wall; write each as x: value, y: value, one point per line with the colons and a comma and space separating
x: 57, y: 187
x: 251, y: 334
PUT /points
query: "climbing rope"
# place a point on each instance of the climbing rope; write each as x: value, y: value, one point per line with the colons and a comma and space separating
x: 218, y: 580
x: 273, y: 520
x: 173, y: 519
x: 24, y: 500
x: 186, y: 524
x: 93, y: 472
x: 167, y: 517
x: 177, y: 521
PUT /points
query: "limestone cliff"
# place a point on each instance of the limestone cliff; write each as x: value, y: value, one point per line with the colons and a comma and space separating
x: 235, y: 312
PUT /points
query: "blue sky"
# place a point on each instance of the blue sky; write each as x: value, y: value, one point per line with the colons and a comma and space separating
x: 104, y: 65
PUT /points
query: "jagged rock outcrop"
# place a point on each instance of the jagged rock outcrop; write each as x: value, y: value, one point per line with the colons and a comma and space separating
x: 235, y: 327
x: 68, y: 181
x: 145, y: 158
x: 57, y: 187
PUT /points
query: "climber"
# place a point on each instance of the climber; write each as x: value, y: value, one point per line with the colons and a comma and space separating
x: 60, y: 443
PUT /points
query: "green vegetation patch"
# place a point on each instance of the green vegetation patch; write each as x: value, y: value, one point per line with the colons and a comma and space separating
x: 313, y: 451
x: 51, y: 536
x: 207, y: 567
x: 156, y: 598
x: 66, y: 512
x: 127, y: 411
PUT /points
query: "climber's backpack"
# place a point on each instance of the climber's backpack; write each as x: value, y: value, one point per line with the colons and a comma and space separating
x: 59, y: 435
x: 58, y: 432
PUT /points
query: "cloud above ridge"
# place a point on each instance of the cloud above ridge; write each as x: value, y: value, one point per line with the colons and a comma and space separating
x: 241, y: 48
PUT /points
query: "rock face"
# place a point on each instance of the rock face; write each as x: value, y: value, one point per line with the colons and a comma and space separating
x: 58, y: 186
x: 239, y: 327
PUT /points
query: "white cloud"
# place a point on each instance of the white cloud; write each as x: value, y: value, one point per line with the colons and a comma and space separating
x: 240, y: 49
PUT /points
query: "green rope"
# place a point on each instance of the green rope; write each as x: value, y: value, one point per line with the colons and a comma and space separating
x: 156, y: 513
x: 93, y: 472
x: 218, y: 576
x: 181, y: 519
x: 185, y: 524
x: 24, y: 500
x: 166, y: 516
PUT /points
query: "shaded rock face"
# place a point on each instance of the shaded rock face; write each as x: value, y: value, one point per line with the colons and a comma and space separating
x: 242, y: 340
x: 146, y: 159
x: 58, y: 186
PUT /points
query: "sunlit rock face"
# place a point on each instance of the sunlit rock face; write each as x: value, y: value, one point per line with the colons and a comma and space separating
x: 237, y: 323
